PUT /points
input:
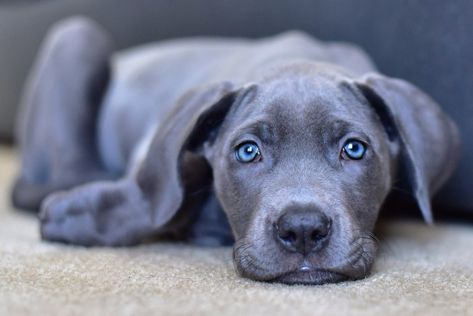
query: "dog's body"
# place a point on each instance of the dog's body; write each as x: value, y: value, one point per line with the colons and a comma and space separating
x: 298, y: 141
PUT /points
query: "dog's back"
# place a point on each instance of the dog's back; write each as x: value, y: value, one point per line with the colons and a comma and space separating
x: 148, y: 81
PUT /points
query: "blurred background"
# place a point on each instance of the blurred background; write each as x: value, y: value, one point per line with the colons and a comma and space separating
x: 428, y: 43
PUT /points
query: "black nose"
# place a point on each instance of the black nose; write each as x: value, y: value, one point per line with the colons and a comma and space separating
x: 302, y: 231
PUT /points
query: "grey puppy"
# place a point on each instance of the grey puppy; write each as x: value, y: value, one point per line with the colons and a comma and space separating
x: 294, y: 141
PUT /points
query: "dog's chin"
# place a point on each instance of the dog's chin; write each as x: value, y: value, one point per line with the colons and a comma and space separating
x: 310, y: 277
x: 297, y: 269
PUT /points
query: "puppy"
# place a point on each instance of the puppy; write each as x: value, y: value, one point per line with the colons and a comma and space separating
x: 294, y: 141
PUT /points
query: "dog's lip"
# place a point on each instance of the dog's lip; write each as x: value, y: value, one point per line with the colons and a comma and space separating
x: 308, y: 274
x: 305, y: 267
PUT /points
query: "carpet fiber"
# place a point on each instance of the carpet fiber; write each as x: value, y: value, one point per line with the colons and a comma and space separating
x: 419, y: 271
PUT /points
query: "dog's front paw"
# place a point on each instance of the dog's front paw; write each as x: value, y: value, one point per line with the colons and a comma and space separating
x: 65, y: 219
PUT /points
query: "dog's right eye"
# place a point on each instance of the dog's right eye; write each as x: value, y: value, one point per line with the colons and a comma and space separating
x: 247, y: 152
x: 353, y: 149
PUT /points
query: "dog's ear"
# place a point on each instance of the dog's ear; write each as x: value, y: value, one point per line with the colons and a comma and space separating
x: 428, y: 139
x: 171, y: 164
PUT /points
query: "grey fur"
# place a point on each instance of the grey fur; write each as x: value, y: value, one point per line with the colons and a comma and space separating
x: 152, y: 153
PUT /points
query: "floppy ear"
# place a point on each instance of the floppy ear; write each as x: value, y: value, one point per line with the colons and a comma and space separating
x: 170, y: 167
x: 429, y: 140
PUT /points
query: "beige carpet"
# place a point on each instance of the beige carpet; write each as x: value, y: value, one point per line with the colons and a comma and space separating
x: 420, y: 271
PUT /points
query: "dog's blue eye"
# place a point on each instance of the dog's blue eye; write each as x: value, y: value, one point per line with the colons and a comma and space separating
x: 354, y: 149
x: 247, y: 152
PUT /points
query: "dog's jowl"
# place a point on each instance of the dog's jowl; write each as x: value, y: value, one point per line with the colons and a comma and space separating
x: 285, y: 147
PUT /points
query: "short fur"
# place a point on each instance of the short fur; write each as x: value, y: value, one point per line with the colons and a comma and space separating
x: 121, y: 147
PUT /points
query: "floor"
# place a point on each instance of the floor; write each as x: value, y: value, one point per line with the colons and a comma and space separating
x: 420, y: 271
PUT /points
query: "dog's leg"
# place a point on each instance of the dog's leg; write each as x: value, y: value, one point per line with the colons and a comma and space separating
x: 106, y: 213
x: 57, y: 124
x: 116, y: 213
x: 162, y: 179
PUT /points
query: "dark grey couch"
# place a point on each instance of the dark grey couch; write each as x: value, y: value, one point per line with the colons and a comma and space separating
x: 426, y: 42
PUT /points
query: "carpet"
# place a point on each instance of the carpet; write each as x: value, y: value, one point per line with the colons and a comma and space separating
x: 420, y: 271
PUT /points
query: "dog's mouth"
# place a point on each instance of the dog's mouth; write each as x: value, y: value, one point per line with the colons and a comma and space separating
x: 313, y: 269
x: 310, y: 276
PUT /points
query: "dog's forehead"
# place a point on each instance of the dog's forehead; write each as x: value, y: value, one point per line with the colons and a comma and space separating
x: 296, y: 101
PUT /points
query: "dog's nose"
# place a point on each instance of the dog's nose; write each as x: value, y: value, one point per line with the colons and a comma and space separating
x: 302, y: 231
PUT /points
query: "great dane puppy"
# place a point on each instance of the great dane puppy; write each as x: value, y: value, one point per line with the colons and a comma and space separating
x: 296, y: 142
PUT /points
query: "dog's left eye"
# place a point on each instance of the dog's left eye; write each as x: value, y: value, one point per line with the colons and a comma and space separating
x: 247, y: 152
x: 353, y: 149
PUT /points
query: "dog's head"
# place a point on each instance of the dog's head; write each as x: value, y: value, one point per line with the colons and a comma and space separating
x: 302, y: 161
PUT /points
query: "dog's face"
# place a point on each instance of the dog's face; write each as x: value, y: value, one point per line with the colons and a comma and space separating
x: 301, y: 167
x: 302, y: 161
